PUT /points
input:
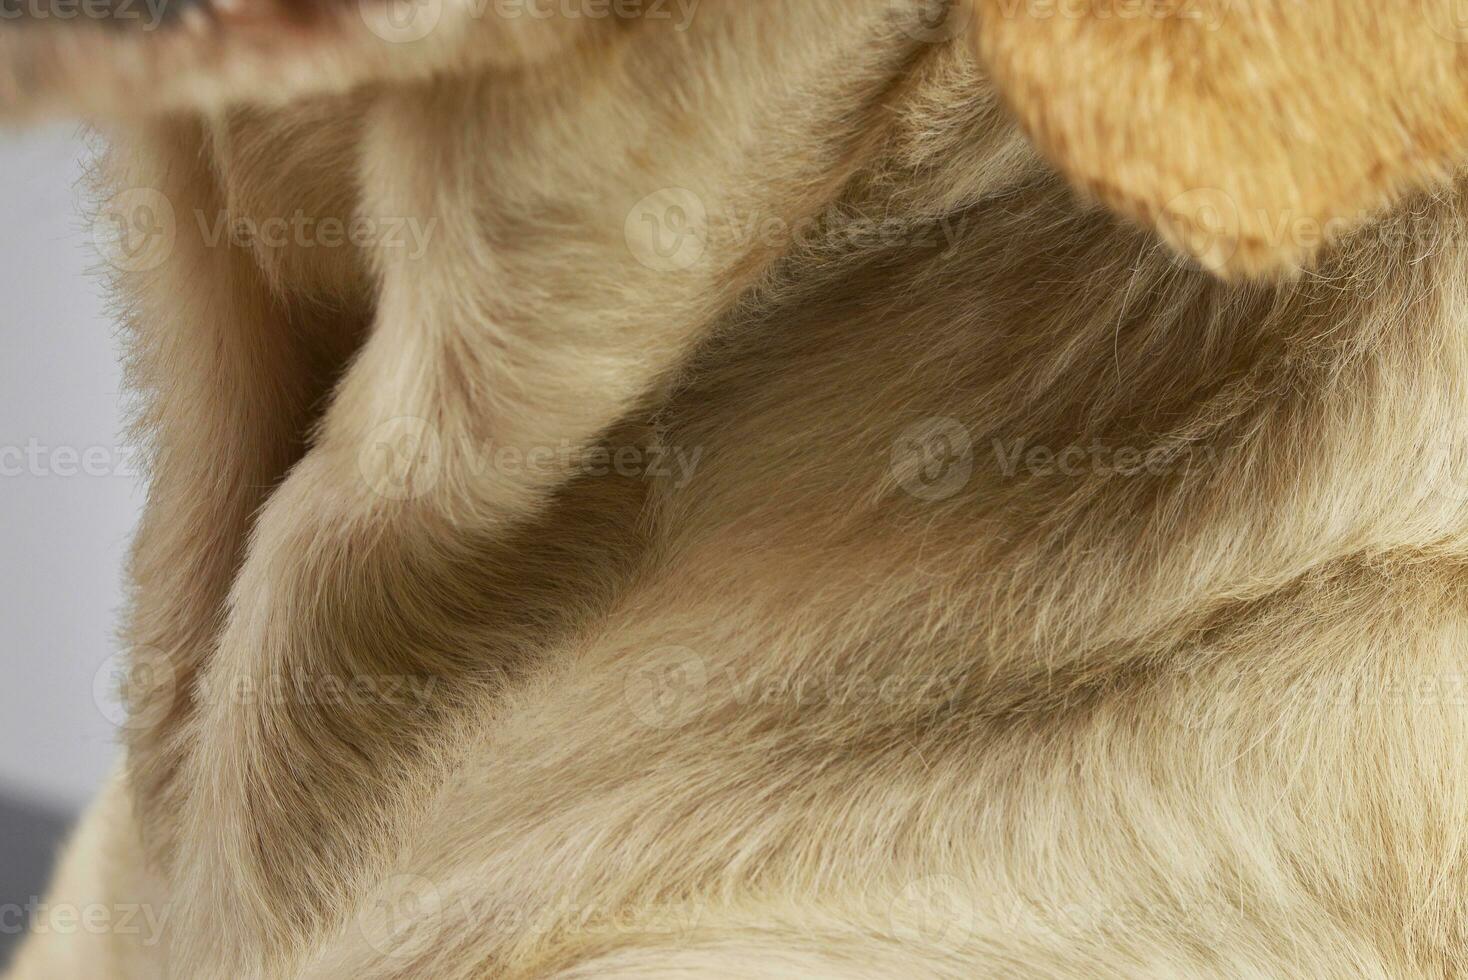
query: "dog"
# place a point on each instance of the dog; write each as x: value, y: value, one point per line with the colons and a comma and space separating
x: 811, y: 488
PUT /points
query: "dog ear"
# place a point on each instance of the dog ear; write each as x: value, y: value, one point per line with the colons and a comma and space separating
x: 130, y: 57
x: 1248, y: 133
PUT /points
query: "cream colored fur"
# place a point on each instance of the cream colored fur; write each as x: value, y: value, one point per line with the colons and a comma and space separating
x: 823, y: 708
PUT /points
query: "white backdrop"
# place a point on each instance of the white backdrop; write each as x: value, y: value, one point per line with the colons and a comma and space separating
x: 68, y: 496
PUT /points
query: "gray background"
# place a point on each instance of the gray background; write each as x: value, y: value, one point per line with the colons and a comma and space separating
x: 63, y: 532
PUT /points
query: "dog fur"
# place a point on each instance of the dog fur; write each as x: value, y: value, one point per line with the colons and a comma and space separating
x: 1030, y: 717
